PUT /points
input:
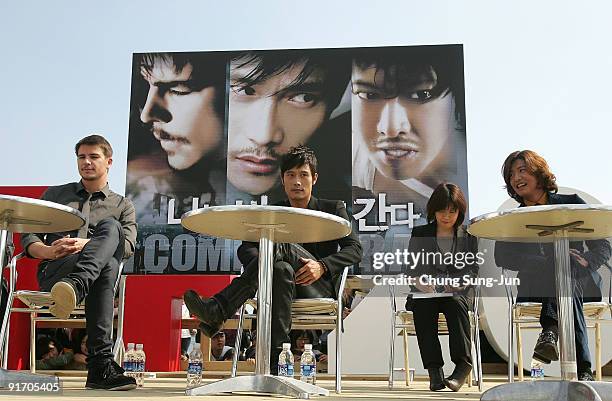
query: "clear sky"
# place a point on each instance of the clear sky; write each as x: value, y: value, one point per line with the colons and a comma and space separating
x: 538, y: 73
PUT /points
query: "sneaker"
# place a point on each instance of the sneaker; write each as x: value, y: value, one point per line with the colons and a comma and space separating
x: 546, y: 348
x: 109, y: 376
x: 64, y: 299
x: 586, y: 376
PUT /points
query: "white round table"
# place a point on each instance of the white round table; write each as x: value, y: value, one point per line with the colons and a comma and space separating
x: 26, y: 215
x: 266, y: 225
x: 557, y: 224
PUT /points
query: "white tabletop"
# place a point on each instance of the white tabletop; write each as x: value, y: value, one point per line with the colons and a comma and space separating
x: 27, y: 215
x: 244, y: 222
x: 510, y: 225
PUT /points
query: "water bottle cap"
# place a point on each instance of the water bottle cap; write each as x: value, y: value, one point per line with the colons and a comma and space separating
x: 308, y: 347
x: 139, y: 347
x: 130, y: 345
x: 286, y: 346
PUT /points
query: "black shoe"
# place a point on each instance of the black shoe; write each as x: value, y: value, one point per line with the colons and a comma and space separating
x: 457, y: 379
x: 546, y: 348
x: 207, y: 310
x: 436, y: 379
x: 109, y: 376
x: 586, y: 376
x: 208, y: 330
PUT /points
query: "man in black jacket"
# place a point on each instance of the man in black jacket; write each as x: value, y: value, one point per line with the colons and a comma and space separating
x: 530, y: 182
x: 300, y: 271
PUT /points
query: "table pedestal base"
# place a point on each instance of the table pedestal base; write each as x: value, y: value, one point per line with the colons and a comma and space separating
x: 7, y: 377
x: 266, y: 384
x: 558, y: 390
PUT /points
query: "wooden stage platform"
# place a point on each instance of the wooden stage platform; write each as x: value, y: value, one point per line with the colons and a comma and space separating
x: 171, y: 386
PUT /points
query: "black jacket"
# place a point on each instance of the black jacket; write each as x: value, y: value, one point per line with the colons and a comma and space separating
x: 336, y: 254
x: 533, y: 261
x: 423, y: 240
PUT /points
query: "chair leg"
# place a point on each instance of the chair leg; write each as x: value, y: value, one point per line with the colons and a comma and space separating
x: 478, y: 360
x: 510, y: 345
x: 519, y: 352
x: 118, y: 347
x: 6, y: 327
x: 237, y: 343
x: 470, y: 378
x: 339, y: 353
x: 32, y: 342
x: 406, y: 358
x: 391, y: 351
x: 598, y: 351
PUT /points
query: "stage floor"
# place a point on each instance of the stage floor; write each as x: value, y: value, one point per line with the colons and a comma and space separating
x: 174, y: 388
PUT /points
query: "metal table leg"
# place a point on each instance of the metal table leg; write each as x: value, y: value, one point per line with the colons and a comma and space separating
x: 567, y: 388
x: 563, y: 279
x: 262, y: 381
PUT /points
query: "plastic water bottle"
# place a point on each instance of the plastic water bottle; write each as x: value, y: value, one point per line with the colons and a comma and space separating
x: 537, y: 372
x: 139, y: 360
x: 285, y: 361
x: 128, y: 360
x: 194, y: 368
x: 308, y: 365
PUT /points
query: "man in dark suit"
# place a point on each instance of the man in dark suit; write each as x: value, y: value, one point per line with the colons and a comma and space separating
x: 530, y: 182
x: 300, y: 271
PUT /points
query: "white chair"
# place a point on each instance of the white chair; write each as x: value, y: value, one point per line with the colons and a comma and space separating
x: 308, y: 314
x: 403, y: 320
x: 37, y: 305
x: 526, y: 316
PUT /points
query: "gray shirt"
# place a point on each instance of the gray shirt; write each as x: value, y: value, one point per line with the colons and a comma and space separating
x: 102, y: 204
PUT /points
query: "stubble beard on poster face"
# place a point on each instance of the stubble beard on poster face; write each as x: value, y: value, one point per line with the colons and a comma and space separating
x: 403, y: 158
x: 244, y: 180
x: 177, y: 148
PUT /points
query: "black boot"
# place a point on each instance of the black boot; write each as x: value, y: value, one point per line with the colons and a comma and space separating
x: 436, y: 379
x: 546, y: 349
x: 207, y: 310
x: 212, y: 312
x: 456, y: 380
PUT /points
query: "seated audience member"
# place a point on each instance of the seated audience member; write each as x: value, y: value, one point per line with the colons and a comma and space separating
x: 302, y: 337
x: 49, y: 357
x: 185, y: 335
x: 79, y: 348
x: 308, y: 271
x: 84, y: 264
x: 530, y: 182
x: 444, y: 233
x: 251, y: 351
x: 218, y: 350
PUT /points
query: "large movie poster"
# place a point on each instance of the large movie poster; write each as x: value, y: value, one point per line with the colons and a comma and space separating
x: 209, y: 128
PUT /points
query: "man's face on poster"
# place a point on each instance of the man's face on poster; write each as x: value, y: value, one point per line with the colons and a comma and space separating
x: 266, y: 119
x: 403, y: 122
x: 182, y: 114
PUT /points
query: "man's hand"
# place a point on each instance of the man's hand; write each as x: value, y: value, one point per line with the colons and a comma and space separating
x: 58, y: 249
x: 80, y: 358
x: 66, y: 246
x: 577, y: 256
x: 309, y: 273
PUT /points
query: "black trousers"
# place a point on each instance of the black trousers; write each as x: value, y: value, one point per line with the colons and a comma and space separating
x: 455, y: 309
x: 284, y: 291
x: 549, y: 320
x: 93, y: 273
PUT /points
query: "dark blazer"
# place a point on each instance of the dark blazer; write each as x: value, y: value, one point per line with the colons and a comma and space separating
x: 423, y: 240
x: 531, y: 260
x: 336, y: 254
